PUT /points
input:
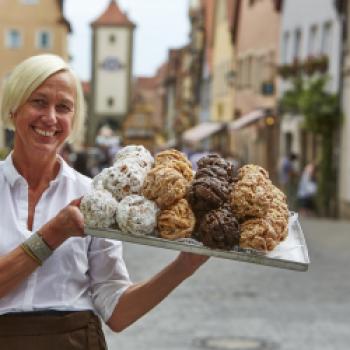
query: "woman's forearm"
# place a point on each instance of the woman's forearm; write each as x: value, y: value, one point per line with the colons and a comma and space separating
x: 14, y: 268
x: 140, y: 298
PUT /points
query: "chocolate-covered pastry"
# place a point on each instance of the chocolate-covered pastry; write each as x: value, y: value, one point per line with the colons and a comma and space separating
x: 214, y: 171
x: 207, y: 193
x: 212, y: 160
x: 219, y: 229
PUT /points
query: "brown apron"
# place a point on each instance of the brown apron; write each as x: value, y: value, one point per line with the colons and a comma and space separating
x: 77, y: 330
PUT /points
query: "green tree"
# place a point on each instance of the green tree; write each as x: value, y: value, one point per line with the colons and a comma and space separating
x: 322, y: 116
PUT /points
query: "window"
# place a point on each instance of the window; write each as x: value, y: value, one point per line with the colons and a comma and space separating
x: 285, y: 48
x: 44, y: 40
x: 13, y: 39
x: 110, y: 102
x: 326, y: 46
x: 313, y: 50
x: 297, y: 44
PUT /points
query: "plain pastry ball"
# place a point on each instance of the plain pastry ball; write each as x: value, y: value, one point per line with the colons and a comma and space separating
x: 138, y: 215
x: 99, y: 209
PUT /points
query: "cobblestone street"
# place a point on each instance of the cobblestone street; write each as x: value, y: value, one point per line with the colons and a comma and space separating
x: 282, y: 309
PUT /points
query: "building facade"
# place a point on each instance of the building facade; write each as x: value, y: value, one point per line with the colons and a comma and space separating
x: 30, y: 27
x: 222, y: 107
x: 305, y: 34
x: 255, y: 132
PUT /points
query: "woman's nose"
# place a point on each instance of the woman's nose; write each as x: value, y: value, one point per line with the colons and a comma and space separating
x: 49, y: 116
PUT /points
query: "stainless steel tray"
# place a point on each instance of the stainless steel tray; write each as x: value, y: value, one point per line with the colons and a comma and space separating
x: 291, y: 254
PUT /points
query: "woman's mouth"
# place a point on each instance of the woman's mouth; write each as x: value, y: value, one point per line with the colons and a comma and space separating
x: 44, y: 132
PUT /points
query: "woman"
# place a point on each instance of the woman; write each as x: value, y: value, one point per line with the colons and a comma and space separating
x: 53, y: 279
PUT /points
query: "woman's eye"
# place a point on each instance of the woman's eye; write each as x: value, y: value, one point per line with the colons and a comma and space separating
x: 39, y: 102
x: 63, y: 108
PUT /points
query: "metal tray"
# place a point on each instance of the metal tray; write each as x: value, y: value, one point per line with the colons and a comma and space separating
x: 291, y: 254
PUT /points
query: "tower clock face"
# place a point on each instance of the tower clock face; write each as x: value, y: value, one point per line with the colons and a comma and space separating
x: 112, y: 64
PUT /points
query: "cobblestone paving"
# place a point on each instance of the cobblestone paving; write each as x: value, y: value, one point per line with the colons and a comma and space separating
x: 292, y: 310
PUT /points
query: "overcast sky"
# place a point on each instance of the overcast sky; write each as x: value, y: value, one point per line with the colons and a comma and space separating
x: 161, y: 24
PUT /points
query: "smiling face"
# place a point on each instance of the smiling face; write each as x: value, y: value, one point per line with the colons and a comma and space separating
x: 44, y: 121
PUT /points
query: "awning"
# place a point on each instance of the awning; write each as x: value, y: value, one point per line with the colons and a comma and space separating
x: 201, y: 131
x: 246, y: 119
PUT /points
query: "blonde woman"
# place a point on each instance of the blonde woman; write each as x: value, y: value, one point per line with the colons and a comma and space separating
x: 55, y: 283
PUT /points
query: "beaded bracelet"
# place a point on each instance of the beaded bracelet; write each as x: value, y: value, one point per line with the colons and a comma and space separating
x: 36, y: 248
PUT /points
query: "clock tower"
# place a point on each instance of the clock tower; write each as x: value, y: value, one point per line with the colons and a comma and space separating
x: 112, y: 50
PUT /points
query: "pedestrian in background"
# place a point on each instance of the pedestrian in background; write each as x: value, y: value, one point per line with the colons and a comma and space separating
x: 288, y: 178
x: 56, y: 283
x: 307, y: 190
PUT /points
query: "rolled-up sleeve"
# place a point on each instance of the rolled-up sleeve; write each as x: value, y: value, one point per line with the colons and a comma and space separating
x: 109, y: 277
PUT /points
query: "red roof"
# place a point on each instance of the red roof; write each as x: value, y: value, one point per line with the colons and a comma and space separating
x: 146, y: 83
x: 113, y: 16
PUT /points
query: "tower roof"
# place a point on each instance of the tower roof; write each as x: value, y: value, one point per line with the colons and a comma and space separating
x: 113, y: 16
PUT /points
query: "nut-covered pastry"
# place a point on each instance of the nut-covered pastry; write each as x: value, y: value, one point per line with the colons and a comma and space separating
x: 181, y: 167
x: 99, y: 209
x: 138, y: 153
x: 251, y: 169
x: 207, y: 193
x: 278, y: 213
x: 125, y: 177
x: 251, y: 196
x: 171, y: 154
x: 279, y: 222
x: 176, y: 222
x: 165, y: 186
x: 219, y: 229
x: 258, y: 234
x: 279, y: 202
x: 136, y: 214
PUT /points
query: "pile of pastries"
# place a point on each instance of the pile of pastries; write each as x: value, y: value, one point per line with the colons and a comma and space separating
x: 220, y: 206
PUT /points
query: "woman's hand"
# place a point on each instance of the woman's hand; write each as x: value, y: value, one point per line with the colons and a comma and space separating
x: 69, y: 222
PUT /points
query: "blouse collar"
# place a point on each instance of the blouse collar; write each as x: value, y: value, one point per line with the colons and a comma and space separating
x: 12, y: 175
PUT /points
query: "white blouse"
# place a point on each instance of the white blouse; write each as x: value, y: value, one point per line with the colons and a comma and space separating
x: 84, y: 273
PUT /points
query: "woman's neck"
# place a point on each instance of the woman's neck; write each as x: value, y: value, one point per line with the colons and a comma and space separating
x: 37, y: 170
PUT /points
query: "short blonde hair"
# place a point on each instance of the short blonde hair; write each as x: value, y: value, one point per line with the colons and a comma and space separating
x: 27, y: 77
